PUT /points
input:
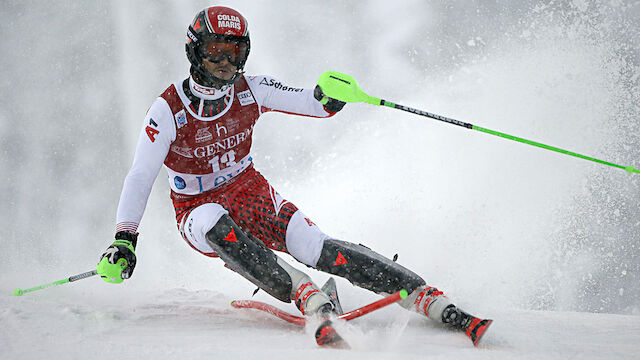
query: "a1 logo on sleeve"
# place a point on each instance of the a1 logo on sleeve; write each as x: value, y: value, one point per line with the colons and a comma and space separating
x: 152, y: 131
x: 246, y: 98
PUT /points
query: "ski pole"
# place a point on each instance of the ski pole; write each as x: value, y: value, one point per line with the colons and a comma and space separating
x: 344, y: 87
x: 20, y: 292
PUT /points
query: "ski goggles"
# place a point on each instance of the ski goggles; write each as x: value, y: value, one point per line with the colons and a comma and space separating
x: 216, y: 50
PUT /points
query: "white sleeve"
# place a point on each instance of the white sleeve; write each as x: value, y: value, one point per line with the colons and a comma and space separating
x: 272, y: 95
x: 158, y: 132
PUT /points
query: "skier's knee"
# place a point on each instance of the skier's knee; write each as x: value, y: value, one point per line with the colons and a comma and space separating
x: 304, y: 239
x: 198, y: 222
x: 366, y: 268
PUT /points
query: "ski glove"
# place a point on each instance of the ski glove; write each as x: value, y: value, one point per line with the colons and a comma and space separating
x: 119, y: 260
x: 330, y: 104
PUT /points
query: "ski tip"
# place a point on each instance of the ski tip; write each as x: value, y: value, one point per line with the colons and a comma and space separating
x: 18, y: 292
x: 330, y: 283
x: 326, y: 336
x: 403, y: 294
x: 479, y: 330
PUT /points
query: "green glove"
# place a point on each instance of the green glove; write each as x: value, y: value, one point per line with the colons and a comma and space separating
x: 119, y: 260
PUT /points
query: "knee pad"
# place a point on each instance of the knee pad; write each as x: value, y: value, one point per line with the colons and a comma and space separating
x: 249, y: 258
x: 366, y: 268
x: 198, y: 222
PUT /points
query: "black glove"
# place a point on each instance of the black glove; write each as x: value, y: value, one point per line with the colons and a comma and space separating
x: 331, y: 105
x: 119, y: 260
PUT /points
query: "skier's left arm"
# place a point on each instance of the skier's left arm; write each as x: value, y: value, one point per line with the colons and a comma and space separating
x: 273, y: 95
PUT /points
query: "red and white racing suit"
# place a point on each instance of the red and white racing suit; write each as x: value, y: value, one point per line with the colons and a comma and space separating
x: 206, y: 151
x: 203, y: 138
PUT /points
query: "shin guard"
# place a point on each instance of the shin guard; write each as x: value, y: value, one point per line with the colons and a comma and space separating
x: 250, y: 258
x: 366, y: 268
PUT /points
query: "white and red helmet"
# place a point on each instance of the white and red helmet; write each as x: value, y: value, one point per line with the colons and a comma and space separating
x: 217, y: 32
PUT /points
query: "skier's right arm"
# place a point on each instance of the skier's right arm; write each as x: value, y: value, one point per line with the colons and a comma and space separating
x: 158, y: 132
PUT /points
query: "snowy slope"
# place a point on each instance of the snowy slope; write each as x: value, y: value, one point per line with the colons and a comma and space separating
x: 530, y: 229
x: 197, y: 324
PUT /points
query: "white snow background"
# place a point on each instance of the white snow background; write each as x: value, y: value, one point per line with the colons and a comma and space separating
x: 545, y: 244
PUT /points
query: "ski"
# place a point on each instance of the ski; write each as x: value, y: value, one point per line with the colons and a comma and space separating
x: 472, y: 326
x: 326, y: 334
x: 301, y: 321
x: 475, y: 328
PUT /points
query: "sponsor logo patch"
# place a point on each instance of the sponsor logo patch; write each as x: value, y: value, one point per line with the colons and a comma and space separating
x: 181, y: 118
x: 190, y: 35
x: 233, y: 124
x: 182, y: 151
x: 203, y: 135
x: 246, y: 98
x: 179, y: 182
x: 340, y: 260
x: 278, y: 85
x: 228, y: 21
x: 231, y: 237
x: 152, y: 132
x: 202, y: 90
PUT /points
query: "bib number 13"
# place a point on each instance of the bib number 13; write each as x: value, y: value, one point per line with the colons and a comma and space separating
x: 224, y: 161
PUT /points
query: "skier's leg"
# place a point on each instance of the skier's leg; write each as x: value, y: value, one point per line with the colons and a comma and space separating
x: 210, y: 229
x: 372, y: 271
x: 367, y: 269
x: 280, y: 225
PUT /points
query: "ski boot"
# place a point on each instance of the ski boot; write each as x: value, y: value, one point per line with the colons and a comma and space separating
x: 432, y: 303
x: 472, y: 326
x: 326, y: 334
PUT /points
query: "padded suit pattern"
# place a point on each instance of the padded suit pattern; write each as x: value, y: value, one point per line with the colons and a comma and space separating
x: 249, y: 201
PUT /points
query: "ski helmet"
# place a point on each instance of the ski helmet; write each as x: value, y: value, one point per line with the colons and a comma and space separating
x: 216, y: 33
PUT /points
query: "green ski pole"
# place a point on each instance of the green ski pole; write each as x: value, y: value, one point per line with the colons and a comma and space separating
x: 20, y: 292
x: 344, y: 87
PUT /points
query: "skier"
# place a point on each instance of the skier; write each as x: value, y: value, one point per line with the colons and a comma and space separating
x: 201, y: 129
